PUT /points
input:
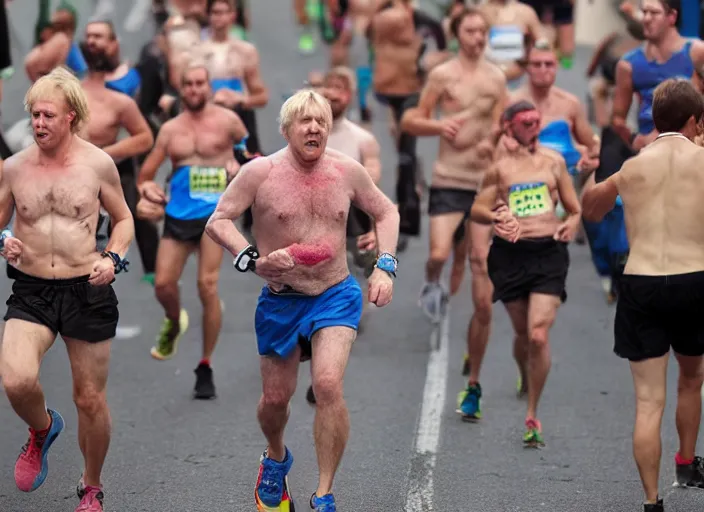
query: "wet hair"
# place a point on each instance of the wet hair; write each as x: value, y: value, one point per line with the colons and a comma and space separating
x: 344, y: 73
x: 516, y: 108
x: 61, y: 81
x: 107, y: 23
x: 298, y: 104
x: 674, y: 102
x: 466, y: 12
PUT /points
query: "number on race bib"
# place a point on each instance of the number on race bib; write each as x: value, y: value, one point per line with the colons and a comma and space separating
x: 529, y: 199
x: 207, y: 182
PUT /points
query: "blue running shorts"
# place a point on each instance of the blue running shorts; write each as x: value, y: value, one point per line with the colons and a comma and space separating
x: 288, y: 318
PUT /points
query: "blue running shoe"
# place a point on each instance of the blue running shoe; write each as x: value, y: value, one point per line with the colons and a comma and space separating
x: 324, y: 504
x: 468, y: 402
x: 271, y: 483
x: 32, y: 467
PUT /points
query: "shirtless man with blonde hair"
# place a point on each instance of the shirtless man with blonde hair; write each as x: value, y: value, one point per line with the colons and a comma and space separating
x: 661, y: 295
x: 471, y: 93
x: 310, y: 306
x: 528, y: 265
x: 56, y: 188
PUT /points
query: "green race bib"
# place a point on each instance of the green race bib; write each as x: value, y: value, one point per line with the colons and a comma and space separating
x: 529, y: 199
x: 207, y: 183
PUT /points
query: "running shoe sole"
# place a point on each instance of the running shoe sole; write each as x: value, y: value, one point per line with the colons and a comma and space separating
x: 57, y: 426
x: 286, y: 504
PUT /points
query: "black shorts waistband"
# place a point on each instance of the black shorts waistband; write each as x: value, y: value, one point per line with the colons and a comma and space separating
x: 17, y: 275
x: 674, y: 279
x: 527, y: 243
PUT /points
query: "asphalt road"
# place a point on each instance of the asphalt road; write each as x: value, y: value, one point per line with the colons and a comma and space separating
x: 171, y: 453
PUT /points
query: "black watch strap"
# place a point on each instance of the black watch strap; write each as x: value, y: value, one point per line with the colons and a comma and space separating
x: 119, y: 263
x: 246, y: 260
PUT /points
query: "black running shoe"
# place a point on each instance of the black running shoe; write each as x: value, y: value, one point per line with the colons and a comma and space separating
x: 691, y: 475
x: 654, y: 507
x: 205, y: 388
x: 310, y: 395
x: 365, y: 115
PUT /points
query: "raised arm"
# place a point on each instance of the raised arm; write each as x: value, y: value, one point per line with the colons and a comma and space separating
x: 238, y: 196
x: 140, y: 140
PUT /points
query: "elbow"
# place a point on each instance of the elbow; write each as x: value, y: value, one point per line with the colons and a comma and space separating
x: 146, y: 141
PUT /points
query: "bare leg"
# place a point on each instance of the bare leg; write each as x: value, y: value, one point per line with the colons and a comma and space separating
x: 279, y: 379
x: 518, y: 312
x: 170, y: 260
x: 482, y: 291
x: 689, y: 403
x: 208, y: 275
x: 650, y: 381
x: 89, y: 365
x: 23, y: 348
x: 541, y: 315
x: 331, y: 349
x: 442, y: 228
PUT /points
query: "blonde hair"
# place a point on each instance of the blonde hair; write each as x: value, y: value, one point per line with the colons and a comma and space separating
x: 60, y: 80
x: 345, y: 74
x: 304, y: 101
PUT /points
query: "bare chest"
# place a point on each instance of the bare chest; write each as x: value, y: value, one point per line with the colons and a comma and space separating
x: 73, y: 194
x: 224, y: 61
x: 304, y: 202
x: 207, y: 140
x: 528, y: 191
x: 104, y: 120
x: 472, y: 96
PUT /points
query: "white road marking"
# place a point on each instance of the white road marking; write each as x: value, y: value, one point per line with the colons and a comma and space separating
x: 138, y: 15
x: 126, y: 332
x: 420, y: 490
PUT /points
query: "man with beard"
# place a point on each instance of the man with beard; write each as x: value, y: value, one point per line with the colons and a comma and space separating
x: 528, y: 260
x: 310, y: 305
x: 471, y: 93
x: 199, y: 144
x: 112, y: 111
x: 56, y: 188
x: 357, y: 143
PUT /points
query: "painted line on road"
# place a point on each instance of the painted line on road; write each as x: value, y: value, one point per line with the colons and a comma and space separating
x: 420, y: 490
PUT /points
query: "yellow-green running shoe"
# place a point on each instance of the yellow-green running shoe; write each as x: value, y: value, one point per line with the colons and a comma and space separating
x: 533, y: 437
x: 167, y: 347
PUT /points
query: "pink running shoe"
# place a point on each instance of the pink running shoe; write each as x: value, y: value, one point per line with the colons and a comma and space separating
x: 32, y: 467
x: 92, y: 500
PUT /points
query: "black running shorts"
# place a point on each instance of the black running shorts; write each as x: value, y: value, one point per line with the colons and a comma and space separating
x: 537, y: 265
x: 72, y: 307
x: 655, y: 313
x: 190, y: 231
x: 450, y: 200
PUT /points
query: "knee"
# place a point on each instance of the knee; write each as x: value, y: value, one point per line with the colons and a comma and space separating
x: 327, y: 388
x: 539, y: 337
x: 207, y: 287
x: 17, y: 382
x: 276, y: 400
x: 477, y: 262
x: 691, y: 382
x: 439, y: 255
x: 89, y: 401
x: 164, y: 287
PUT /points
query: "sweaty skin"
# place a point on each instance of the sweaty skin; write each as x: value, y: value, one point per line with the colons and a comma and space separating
x: 396, y: 49
x: 474, y: 98
x: 662, y: 181
x: 56, y: 209
x: 110, y: 111
x: 303, y: 212
x: 545, y: 170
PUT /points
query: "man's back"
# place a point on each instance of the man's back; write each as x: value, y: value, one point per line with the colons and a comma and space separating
x: 663, y: 195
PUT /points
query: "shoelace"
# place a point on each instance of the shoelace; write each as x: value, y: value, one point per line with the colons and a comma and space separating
x: 89, y: 498
x: 270, y: 478
x: 33, y: 447
x: 164, y: 342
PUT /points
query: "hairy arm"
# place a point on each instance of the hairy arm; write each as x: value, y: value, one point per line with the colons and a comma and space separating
x: 140, y: 139
x: 156, y: 157
x: 113, y: 200
x: 371, y: 158
x: 419, y: 120
x: 485, y: 202
x: 258, y: 94
x: 623, y: 97
x: 598, y: 198
x: 7, y: 202
x: 234, y: 202
x: 370, y: 199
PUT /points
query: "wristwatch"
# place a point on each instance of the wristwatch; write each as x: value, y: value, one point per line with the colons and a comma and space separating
x: 387, y: 262
x: 4, y: 235
x: 119, y: 263
x: 246, y: 260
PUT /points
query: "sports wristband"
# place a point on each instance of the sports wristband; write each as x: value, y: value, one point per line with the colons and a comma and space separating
x: 119, y: 263
x: 246, y: 259
x: 4, y: 235
x: 388, y: 263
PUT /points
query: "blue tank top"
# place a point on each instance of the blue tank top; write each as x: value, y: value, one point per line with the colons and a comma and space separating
x: 195, y: 191
x: 234, y: 84
x: 75, y: 61
x: 557, y: 136
x: 647, y: 75
x: 128, y: 84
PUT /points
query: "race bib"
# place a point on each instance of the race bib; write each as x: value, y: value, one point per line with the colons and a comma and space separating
x: 207, y: 183
x: 506, y: 43
x: 529, y: 199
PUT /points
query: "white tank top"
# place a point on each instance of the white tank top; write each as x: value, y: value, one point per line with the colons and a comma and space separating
x: 347, y: 138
